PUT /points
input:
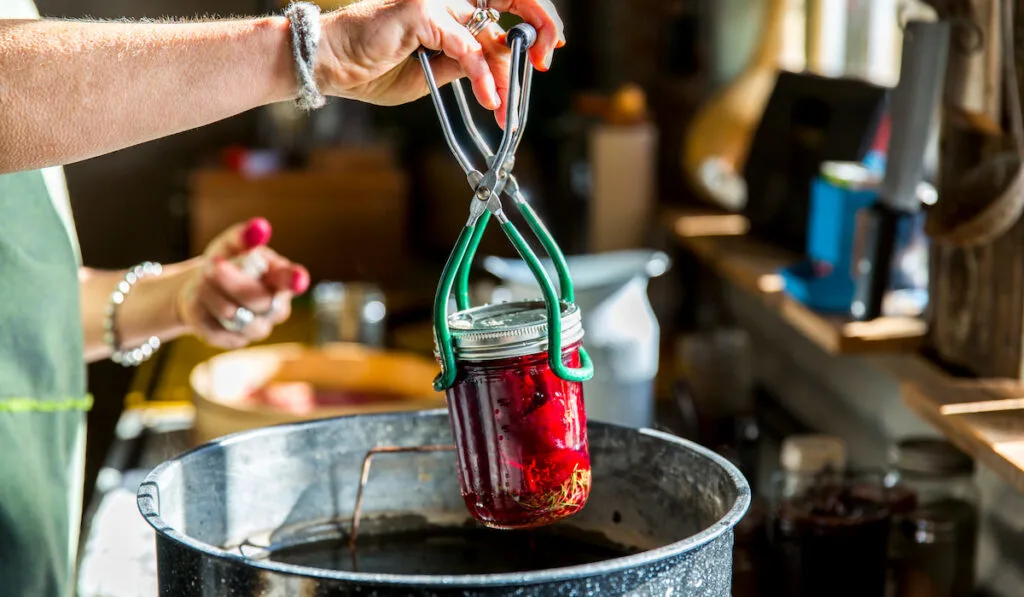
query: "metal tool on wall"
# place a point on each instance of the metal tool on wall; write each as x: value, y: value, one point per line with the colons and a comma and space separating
x: 994, y: 190
x: 912, y: 109
x: 974, y: 77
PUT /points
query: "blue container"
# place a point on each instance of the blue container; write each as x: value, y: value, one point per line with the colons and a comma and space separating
x: 825, y: 280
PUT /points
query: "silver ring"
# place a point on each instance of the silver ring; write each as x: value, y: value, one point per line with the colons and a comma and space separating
x: 482, y: 17
x: 243, y: 317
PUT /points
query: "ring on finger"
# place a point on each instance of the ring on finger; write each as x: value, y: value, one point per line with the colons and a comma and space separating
x: 482, y: 17
x: 241, y: 320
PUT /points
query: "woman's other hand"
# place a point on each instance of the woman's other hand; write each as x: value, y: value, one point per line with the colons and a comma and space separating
x: 211, y: 299
x: 367, y: 48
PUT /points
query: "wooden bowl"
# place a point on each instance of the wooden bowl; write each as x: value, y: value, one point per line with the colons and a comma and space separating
x: 223, y: 387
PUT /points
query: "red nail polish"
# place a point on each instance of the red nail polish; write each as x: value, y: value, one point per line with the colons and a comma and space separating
x: 300, y: 281
x: 257, y: 233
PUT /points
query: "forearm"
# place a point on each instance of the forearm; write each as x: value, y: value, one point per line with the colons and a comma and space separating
x: 150, y: 310
x: 73, y: 90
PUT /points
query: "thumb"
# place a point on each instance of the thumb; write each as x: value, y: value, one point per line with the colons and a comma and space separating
x: 240, y: 238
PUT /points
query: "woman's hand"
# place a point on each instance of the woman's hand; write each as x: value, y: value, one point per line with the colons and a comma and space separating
x: 216, y: 290
x: 367, y: 48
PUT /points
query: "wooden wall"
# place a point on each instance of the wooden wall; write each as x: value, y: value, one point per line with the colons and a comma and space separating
x: 977, y: 295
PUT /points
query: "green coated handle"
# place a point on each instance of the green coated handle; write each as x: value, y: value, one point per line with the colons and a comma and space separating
x: 554, y: 312
x: 551, y: 299
x: 446, y: 377
x: 462, y: 282
x: 552, y: 249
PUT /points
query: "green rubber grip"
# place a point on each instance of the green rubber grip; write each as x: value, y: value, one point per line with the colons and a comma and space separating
x: 554, y: 312
x: 446, y: 377
x: 466, y: 267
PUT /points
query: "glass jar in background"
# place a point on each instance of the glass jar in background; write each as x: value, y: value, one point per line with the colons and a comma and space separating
x: 830, y: 526
x: 349, y: 312
x: 714, y: 392
x: 935, y: 542
x: 520, y: 430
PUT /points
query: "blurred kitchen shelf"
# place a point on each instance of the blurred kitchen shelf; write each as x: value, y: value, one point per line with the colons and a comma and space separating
x: 983, y: 417
x: 720, y: 241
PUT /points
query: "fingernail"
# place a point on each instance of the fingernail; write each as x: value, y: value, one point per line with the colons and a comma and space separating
x: 257, y: 233
x: 300, y: 281
x: 547, y: 62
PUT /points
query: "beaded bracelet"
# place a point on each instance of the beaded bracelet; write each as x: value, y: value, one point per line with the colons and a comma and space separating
x: 135, y: 356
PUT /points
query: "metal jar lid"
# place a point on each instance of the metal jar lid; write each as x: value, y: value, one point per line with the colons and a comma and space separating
x: 812, y: 453
x: 509, y: 330
x: 928, y: 456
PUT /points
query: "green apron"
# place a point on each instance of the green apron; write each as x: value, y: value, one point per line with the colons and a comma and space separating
x: 42, y: 393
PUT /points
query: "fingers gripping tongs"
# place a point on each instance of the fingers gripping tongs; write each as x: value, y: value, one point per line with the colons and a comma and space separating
x: 488, y: 188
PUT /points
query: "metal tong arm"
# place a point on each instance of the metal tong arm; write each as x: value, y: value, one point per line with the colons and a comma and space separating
x: 487, y: 188
x: 512, y: 191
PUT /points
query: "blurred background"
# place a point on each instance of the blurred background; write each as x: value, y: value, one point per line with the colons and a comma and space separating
x: 705, y: 163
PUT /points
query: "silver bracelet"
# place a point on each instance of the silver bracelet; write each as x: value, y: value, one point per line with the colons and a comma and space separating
x: 304, y: 19
x: 135, y: 356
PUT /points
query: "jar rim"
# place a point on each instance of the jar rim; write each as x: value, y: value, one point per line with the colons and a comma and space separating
x: 509, y: 330
x: 930, y: 456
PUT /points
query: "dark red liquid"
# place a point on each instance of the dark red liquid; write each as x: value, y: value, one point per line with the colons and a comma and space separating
x: 521, y: 435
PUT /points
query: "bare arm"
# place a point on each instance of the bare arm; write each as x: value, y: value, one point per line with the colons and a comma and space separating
x: 150, y: 311
x: 73, y: 90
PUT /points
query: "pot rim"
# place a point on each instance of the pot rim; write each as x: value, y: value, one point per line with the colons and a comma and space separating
x: 148, y: 504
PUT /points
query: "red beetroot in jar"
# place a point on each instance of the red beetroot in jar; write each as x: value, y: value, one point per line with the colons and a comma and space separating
x: 519, y: 429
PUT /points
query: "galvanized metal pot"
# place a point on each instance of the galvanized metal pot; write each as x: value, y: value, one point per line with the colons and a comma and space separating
x: 214, y: 506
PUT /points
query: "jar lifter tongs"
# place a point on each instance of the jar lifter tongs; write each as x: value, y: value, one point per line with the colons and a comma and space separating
x: 487, y: 189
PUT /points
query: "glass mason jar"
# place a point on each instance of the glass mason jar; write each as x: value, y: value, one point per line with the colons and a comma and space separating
x: 934, y: 542
x: 829, y: 534
x: 349, y: 312
x: 520, y: 431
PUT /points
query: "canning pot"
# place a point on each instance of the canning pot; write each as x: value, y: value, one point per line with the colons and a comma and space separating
x: 268, y: 512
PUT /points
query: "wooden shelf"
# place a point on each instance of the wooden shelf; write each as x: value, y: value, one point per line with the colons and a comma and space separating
x: 983, y: 417
x: 720, y: 241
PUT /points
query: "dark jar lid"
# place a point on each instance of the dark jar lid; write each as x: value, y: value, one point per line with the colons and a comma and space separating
x: 931, y: 456
x: 509, y: 330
